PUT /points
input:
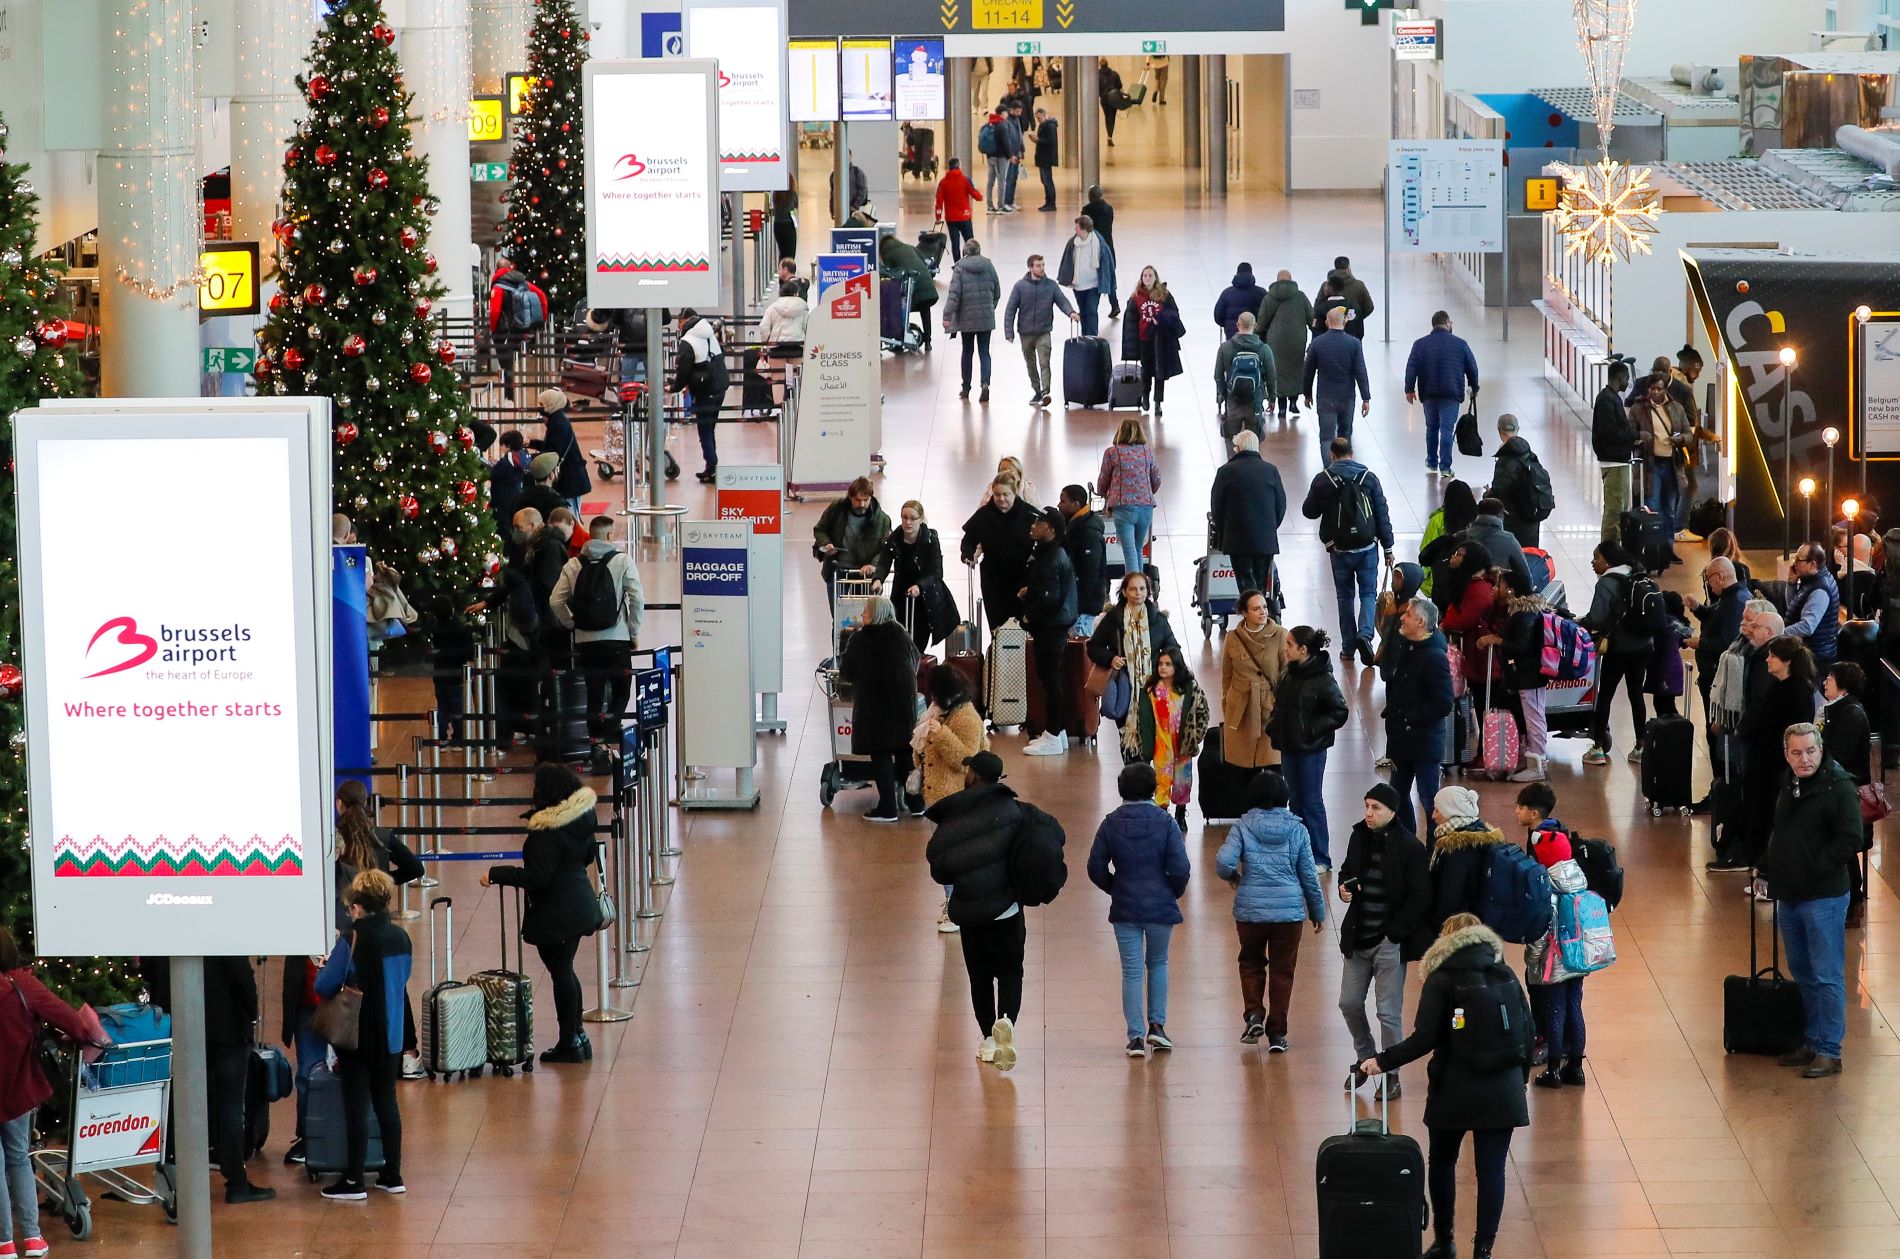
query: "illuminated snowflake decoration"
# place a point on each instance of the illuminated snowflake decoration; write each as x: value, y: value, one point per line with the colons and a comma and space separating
x: 1608, y: 211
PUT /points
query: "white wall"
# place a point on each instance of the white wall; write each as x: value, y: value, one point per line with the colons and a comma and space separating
x: 1341, y: 144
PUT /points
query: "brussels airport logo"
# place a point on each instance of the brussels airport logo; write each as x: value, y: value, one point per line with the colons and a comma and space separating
x: 725, y: 80
x: 633, y: 165
x: 119, y: 645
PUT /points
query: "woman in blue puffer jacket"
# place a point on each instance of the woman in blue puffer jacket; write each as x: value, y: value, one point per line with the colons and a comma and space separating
x: 1140, y: 860
x: 1268, y: 857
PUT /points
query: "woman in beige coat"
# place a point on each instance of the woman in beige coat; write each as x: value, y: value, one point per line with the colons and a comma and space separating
x: 951, y: 731
x: 1252, y: 662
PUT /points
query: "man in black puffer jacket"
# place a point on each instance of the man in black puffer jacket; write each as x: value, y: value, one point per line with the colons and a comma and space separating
x: 1049, y: 609
x: 969, y: 854
x: 1086, y: 542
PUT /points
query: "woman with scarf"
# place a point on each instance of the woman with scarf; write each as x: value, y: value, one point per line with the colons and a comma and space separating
x: 1153, y: 336
x: 1129, y: 636
x: 1170, y: 722
x: 1252, y: 662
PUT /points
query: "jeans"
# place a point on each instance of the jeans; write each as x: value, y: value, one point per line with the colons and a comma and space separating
x: 976, y: 344
x: 1560, y: 1009
x: 1815, y: 933
x: 1132, y: 938
x: 368, y: 1078
x: 1036, y: 359
x: 1616, y: 498
x: 993, y: 959
x: 1269, y: 956
x: 1306, y: 784
x: 1380, y: 969
x: 709, y: 444
x: 959, y: 230
x: 1664, y: 496
x: 1048, y: 643
x: 1011, y: 174
x: 996, y: 182
x: 22, y: 1216
x: 227, y: 1068
x: 1048, y: 174
x: 1333, y: 422
x: 1421, y: 776
x: 1491, y: 1147
x: 1441, y: 425
x: 1088, y: 306
x: 607, y: 667
x: 1359, y: 567
x: 1627, y: 668
x: 1133, y: 527
x: 558, y: 957
x: 311, y: 1051
x: 1252, y: 572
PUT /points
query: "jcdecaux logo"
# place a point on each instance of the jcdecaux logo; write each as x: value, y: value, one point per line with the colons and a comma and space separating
x: 119, y: 645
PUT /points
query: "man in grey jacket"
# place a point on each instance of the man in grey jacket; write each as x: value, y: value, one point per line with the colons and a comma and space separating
x: 1032, y: 312
x: 598, y: 597
x: 1337, y: 361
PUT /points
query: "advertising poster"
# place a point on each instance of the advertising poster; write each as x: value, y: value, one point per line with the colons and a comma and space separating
x: 168, y: 670
x: 1879, y: 376
x: 839, y: 413
x: 867, y: 80
x: 919, y: 90
x: 652, y: 187
x: 747, y: 39
x: 814, y: 80
x: 716, y: 621
x: 836, y: 268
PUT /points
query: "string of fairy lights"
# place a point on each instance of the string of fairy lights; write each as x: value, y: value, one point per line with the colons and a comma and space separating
x: 147, y: 172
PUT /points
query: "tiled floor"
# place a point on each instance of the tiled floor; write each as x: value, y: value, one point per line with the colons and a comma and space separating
x: 798, y: 1078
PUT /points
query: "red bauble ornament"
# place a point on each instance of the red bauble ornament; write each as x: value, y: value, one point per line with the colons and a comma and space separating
x: 423, y: 307
x: 318, y: 87
x: 438, y: 440
x: 263, y: 369
x: 279, y: 303
x: 466, y: 436
x: 466, y: 491
x: 428, y: 263
x: 314, y: 295
x: 561, y: 162
x: 292, y: 156
x: 445, y: 352
x: 409, y: 507
x: 409, y: 237
x: 293, y: 360
x: 449, y: 547
x: 364, y: 276
x: 345, y: 433
x: 326, y: 156
x: 54, y: 334
x: 547, y: 82
x: 491, y: 564
x: 379, y: 116
x: 384, y: 33
x: 1741, y: 286
x: 420, y: 373
x: 12, y: 681
x: 354, y: 345
x: 567, y: 126
x: 378, y: 179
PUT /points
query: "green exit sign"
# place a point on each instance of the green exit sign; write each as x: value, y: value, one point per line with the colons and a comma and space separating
x: 1028, y: 48
x: 1154, y: 47
x: 228, y: 358
x: 488, y: 172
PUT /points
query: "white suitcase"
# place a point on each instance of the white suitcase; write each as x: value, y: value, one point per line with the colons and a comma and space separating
x: 1006, y: 675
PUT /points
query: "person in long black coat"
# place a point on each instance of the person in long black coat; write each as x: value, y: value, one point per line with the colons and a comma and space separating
x: 1000, y: 531
x: 1248, y: 506
x: 1847, y: 738
x: 880, y: 663
x: 915, y: 560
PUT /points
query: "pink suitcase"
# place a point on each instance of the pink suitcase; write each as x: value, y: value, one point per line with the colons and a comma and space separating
x: 1501, y: 754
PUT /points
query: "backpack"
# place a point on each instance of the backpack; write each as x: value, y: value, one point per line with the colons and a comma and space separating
x: 1491, y: 1021
x: 1644, y: 612
x: 520, y: 308
x: 1542, y: 500
x: 1515, y: 901
x: 1569, y: 652
x: 1597, y: 859
x: 1036, y: 869
x: 1349, y: 525
x: 595, y: 601
x: 1583, y: 932
x: 1246, y: 365
x: 986, y: 139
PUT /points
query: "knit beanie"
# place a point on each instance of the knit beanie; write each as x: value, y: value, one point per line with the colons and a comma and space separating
x: 1388, y: 795
x: 1458, y: 804
x: 1550, y: 846
x: 544, y: 465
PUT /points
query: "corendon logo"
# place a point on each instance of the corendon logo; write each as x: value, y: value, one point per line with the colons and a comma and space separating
x: 144, y: 645
x: 634, y: 166
x: 116, y: 1126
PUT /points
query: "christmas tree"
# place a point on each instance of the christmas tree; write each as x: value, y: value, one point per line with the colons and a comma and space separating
x: 547, y: 224
x: 351, y: 320
x: 34, y: 364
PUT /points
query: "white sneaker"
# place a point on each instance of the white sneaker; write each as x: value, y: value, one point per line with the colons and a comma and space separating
x: 412, y: 1067
x: 986, y: 1052
x: 944, y: 924
x: 1533, y: 771
x: 1004, y: 1034
x: 1045, y: 745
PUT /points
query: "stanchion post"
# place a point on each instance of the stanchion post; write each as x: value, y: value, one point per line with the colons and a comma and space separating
x: 662, y: 808
x: 605, y: 955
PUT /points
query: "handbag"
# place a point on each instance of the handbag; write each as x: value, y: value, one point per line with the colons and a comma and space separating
x: 603, y: 899
x: 1096, y: 683
x: 1118, y: 697
x: 1874, y: 804
x: 339, y: 1018
x: 1388, y: 602
x: 1469, y: 443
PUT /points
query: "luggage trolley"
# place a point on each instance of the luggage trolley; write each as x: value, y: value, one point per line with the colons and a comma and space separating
x: 116, y: 1118
x: 844, y: 771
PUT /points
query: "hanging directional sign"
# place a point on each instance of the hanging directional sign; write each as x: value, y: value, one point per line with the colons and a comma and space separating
x: 818, y: 19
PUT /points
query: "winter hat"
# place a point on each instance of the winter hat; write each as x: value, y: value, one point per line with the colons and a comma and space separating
x: 1053, y: 517
x: 987, y: 766
x: 551, y: 400
x: 1458, y: 804
x: 1550, y: 846
x: 544, y: 465
x: 1407, y: 577
x: 1388, y: 795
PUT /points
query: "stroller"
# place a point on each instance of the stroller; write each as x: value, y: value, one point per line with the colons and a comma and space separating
x: 920, y: 153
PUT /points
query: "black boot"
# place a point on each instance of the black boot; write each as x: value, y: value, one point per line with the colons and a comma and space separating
x: 1572, y: 1072
x: 587, y: 1047
x: 1442, y: 1249
x: 1481, y: 1250
x: 1180, y: 817
x: 565, y: 1050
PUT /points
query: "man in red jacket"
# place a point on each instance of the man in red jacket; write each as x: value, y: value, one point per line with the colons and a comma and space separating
x: 511, y: 322
x: 955, y: 192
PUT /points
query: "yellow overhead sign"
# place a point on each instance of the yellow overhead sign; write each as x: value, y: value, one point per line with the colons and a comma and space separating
x: 1540, y: 193
x: 229, y: 283
x: 485, y: 120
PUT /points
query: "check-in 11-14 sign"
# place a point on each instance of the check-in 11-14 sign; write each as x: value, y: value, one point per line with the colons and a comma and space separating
x: 178, y: 721
x: 652, y: 183
x: 748, y: 40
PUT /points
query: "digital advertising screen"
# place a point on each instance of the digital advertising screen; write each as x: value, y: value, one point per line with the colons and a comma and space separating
x: 748, y: 41
x: 867, y: 80
x: 813, y: 74
x: 918, y: 88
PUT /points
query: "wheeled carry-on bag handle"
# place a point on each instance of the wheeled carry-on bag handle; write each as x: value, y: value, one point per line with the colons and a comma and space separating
x: 448, y: 937
x: 1755, y: 969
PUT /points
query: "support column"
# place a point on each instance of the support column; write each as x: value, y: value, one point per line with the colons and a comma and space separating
x: 191, y: 1102
x: 1216, y: 125
x: 1071, y: 131
x: 435, y: 64
x: 1191, y: 71
x: 1088, y: 110
x: 735, y: 206
x: 149, y: 224
x: 272, y: 42
x: 959, y: 137
x: 500, y: 42
x: 840, y: 177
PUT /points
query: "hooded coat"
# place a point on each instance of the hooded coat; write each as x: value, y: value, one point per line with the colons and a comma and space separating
x: 1272, y: 853
x: 562, y: 903
x: 1308, y: 708
x: 1085, y: 539
x: 880, y: 663
x: 1343, y: 286
x: 975, y: 289
x: 868, y: 546
x: 1285, y: 318
x: 1237, y: 299
x: 969, y: 852
x: 1457, y: 1096
x: 1816, y: 834
x: 1461, y: 856
x: 1251, y: 666
x: 1512, y: 485
x: 897, y: 259
x: 1141, y: 861
x: 1417, y: 698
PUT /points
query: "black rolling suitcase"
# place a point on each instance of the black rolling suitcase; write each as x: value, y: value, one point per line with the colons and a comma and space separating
x: 1762, y: 1011
x: 1669, y: 758
x: 1220, y: 788
x: 930, y: 247
x: 560, y: 729
x: 1371, y: 1185
x: 1462, y: 743
x: 1645, y: 534
x: 1085, y: 368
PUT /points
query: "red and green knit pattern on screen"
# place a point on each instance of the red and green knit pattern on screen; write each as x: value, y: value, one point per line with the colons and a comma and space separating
x: 191, y: 857
x: 546, y: 234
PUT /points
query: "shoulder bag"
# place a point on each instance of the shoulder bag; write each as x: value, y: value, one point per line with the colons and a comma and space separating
x: 338, y: 1020
x: 603, y: 898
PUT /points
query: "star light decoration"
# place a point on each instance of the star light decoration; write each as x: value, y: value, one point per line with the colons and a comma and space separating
x: 1607, y: 211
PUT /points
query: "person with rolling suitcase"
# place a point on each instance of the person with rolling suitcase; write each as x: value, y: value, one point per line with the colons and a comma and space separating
x: 1625, y: 613
x: 1308, y: 711
x: 563, y: 906
x: 373, y: 960
x: 1475, y: 1021
x: 1031, y: 310
x: 1385, y: 883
